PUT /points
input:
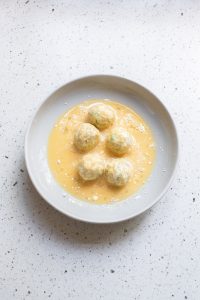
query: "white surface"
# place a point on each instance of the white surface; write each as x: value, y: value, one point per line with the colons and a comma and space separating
x: 128, y: 93
x: 44, y: 254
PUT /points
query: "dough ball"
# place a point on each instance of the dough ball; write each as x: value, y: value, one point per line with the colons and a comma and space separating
x: 91, y: 167
x: 119, y: 141
x: 101, y: 115
x: 118, y: 172
x: 86, y: 137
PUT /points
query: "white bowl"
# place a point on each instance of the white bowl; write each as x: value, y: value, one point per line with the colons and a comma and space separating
x: 129, y: 93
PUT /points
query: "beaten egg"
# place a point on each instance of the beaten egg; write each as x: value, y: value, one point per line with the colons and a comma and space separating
x: 70, y: 167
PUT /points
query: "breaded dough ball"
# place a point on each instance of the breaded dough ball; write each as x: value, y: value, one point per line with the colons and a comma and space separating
x: 91, y: 167
x: 101, y: 115
x: 118, y: 172
x: 119, y: 141
x: 86, y: 137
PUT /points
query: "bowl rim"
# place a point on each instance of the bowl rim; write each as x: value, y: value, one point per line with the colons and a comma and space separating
x: 159, y: 197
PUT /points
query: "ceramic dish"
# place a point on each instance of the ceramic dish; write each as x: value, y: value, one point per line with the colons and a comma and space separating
x: 127, y: 92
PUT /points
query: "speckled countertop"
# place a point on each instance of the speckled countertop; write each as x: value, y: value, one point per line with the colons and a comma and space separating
x: 43, y: 254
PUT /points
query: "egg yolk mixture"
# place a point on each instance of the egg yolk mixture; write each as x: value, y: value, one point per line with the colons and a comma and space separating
x: 63, y: 156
